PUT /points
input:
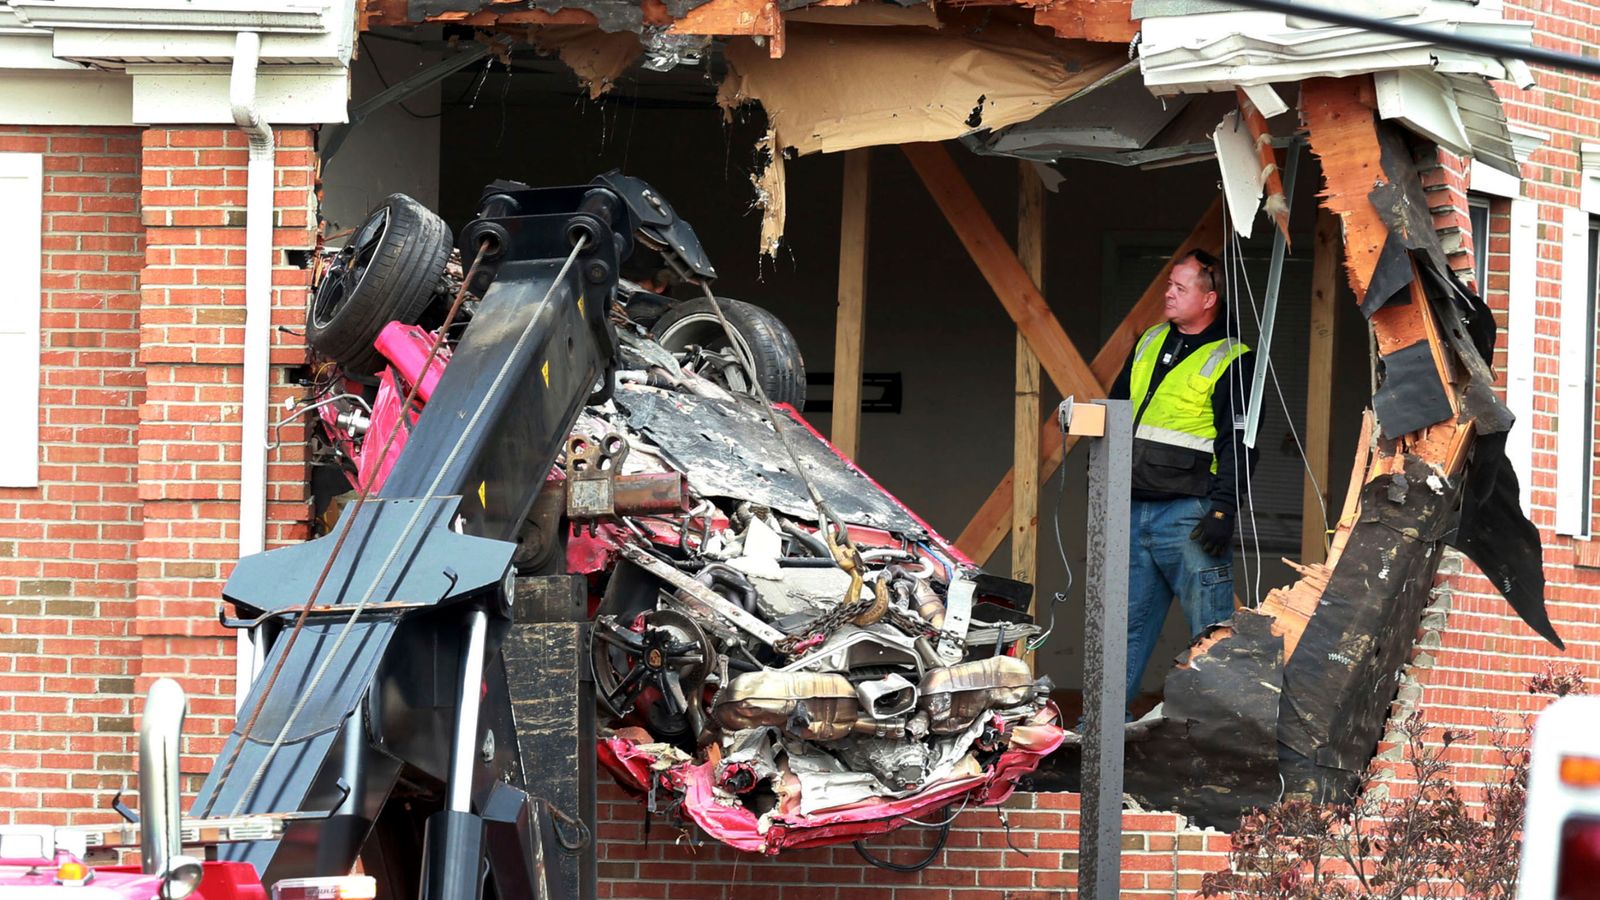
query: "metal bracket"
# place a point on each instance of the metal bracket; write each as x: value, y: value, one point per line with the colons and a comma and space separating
x: 592, y: 468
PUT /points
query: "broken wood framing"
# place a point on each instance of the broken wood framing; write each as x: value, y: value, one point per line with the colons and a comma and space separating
x: 849, y: 326
x: 1004, y: 272
x: 1319, y: 390
x: 1025, y: 452
x: 1277, y: 202
x: 1104, y: 21
x: 989, y: 525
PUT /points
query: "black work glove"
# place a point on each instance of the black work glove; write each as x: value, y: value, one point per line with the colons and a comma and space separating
x: 1215, y: 531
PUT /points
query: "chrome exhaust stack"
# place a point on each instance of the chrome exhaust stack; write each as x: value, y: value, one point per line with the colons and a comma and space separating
x: 160, y: 731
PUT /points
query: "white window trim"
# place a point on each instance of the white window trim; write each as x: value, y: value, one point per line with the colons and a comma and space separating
x: 1589, y: 179
x: 1484, y: 179
x: 1574, y: 398
x: 1522, y: 301
x: 21, y: 259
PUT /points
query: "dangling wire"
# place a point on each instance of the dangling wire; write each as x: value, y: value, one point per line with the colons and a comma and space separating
x: 1283, y: 403
x: 1241, y: 400
x: 1232, y: 265
x: 1034, y: 644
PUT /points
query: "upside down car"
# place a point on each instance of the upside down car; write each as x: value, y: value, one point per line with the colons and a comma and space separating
x: 784, y: 654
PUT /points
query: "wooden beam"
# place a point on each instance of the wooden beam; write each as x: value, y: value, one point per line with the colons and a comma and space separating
x: 1319, y: 389
x: 989, y: 525
x: 1004, y: 272
x: 1105, y: 21
x: 1025, y: 450
x: 849, y: 326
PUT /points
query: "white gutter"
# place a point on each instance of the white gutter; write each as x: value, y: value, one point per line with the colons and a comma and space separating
x: 257, y: 321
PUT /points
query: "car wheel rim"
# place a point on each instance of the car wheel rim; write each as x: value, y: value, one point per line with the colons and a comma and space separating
x: 349, y: 269
x: 701, y: 335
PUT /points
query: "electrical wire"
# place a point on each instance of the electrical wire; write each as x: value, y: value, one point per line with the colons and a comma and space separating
x: 1283, y: 403
x: 1033, y: 644
x: 1243, y: 495
x: 386, y: 85
x: 918, y: 866
x: 1252, y: 575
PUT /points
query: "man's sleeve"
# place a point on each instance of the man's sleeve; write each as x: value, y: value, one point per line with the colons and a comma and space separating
x: 1228, y: 404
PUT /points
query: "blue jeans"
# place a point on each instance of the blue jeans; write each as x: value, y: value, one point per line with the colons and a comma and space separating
x: 1164, y: 561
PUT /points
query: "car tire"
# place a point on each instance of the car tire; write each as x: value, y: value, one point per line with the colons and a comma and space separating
x: 388, y: 271
x: 779, y: 366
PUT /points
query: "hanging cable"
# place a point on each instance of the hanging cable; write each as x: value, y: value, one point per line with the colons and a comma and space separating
x: 1252, y: 577
x: 1283, y: 403
x: 1231, y: 265
x: 918, y: 866
x: 1060, y: 596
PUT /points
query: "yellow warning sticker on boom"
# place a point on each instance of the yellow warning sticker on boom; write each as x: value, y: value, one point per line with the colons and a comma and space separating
x: 545, y: 371
x: 483, y: 494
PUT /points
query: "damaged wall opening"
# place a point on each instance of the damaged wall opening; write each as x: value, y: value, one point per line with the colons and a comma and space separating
x: 932, y: 316
x: 929, y: 314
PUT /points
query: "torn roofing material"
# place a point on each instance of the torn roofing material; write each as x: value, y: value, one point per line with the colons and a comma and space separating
x: 839, y: 88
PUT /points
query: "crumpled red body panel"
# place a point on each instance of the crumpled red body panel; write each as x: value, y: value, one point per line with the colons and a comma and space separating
x: 737, y: 827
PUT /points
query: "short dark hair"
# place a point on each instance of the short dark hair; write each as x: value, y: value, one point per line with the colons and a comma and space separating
x: 1209, y: 266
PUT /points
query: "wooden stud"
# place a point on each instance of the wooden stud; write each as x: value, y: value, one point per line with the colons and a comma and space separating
x: 1004, y: 272
x: 1319, y: 389
x: 992, y: 520
x: 1025, y: 452
x: 849, y: 327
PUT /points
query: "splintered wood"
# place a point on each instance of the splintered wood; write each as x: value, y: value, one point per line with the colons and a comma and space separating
x: 1343, y: 132
x: 1277, y: 204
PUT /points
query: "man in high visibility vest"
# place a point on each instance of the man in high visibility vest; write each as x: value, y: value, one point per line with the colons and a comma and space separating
x: 1187, y: 379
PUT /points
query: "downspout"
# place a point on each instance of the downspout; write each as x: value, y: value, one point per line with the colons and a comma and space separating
x: 257, y: 322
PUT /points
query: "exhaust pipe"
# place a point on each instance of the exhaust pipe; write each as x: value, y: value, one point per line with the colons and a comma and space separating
x: 160, y: 835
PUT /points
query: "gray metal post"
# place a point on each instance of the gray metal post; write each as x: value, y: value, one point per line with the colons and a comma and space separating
x: 1105, y: 660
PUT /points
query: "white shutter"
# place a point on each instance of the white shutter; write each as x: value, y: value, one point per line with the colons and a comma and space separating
x: 1575, y: 394
x: 1520, y: 329
x: 21, y: 198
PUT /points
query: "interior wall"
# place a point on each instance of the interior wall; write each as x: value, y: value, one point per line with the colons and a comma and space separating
x: 930, y: 315
x: 396, y: 148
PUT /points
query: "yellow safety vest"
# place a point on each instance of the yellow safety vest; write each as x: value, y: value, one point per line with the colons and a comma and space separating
x: 1180, y: 413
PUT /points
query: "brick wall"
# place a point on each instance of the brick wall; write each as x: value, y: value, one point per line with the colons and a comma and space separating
x: 192, y: 311
x: 1038, y: 860
x: 67, y: 547
x: 111, y: 569
x: 1485, y: 654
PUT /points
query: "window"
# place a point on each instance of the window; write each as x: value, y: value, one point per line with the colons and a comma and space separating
x: 22, y: 197
x: 1478, y: 215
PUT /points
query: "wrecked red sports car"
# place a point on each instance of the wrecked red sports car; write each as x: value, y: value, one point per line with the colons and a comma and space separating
x: 784, y: 654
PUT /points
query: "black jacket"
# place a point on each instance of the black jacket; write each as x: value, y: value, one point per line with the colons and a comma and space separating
x: 1228, y: 403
